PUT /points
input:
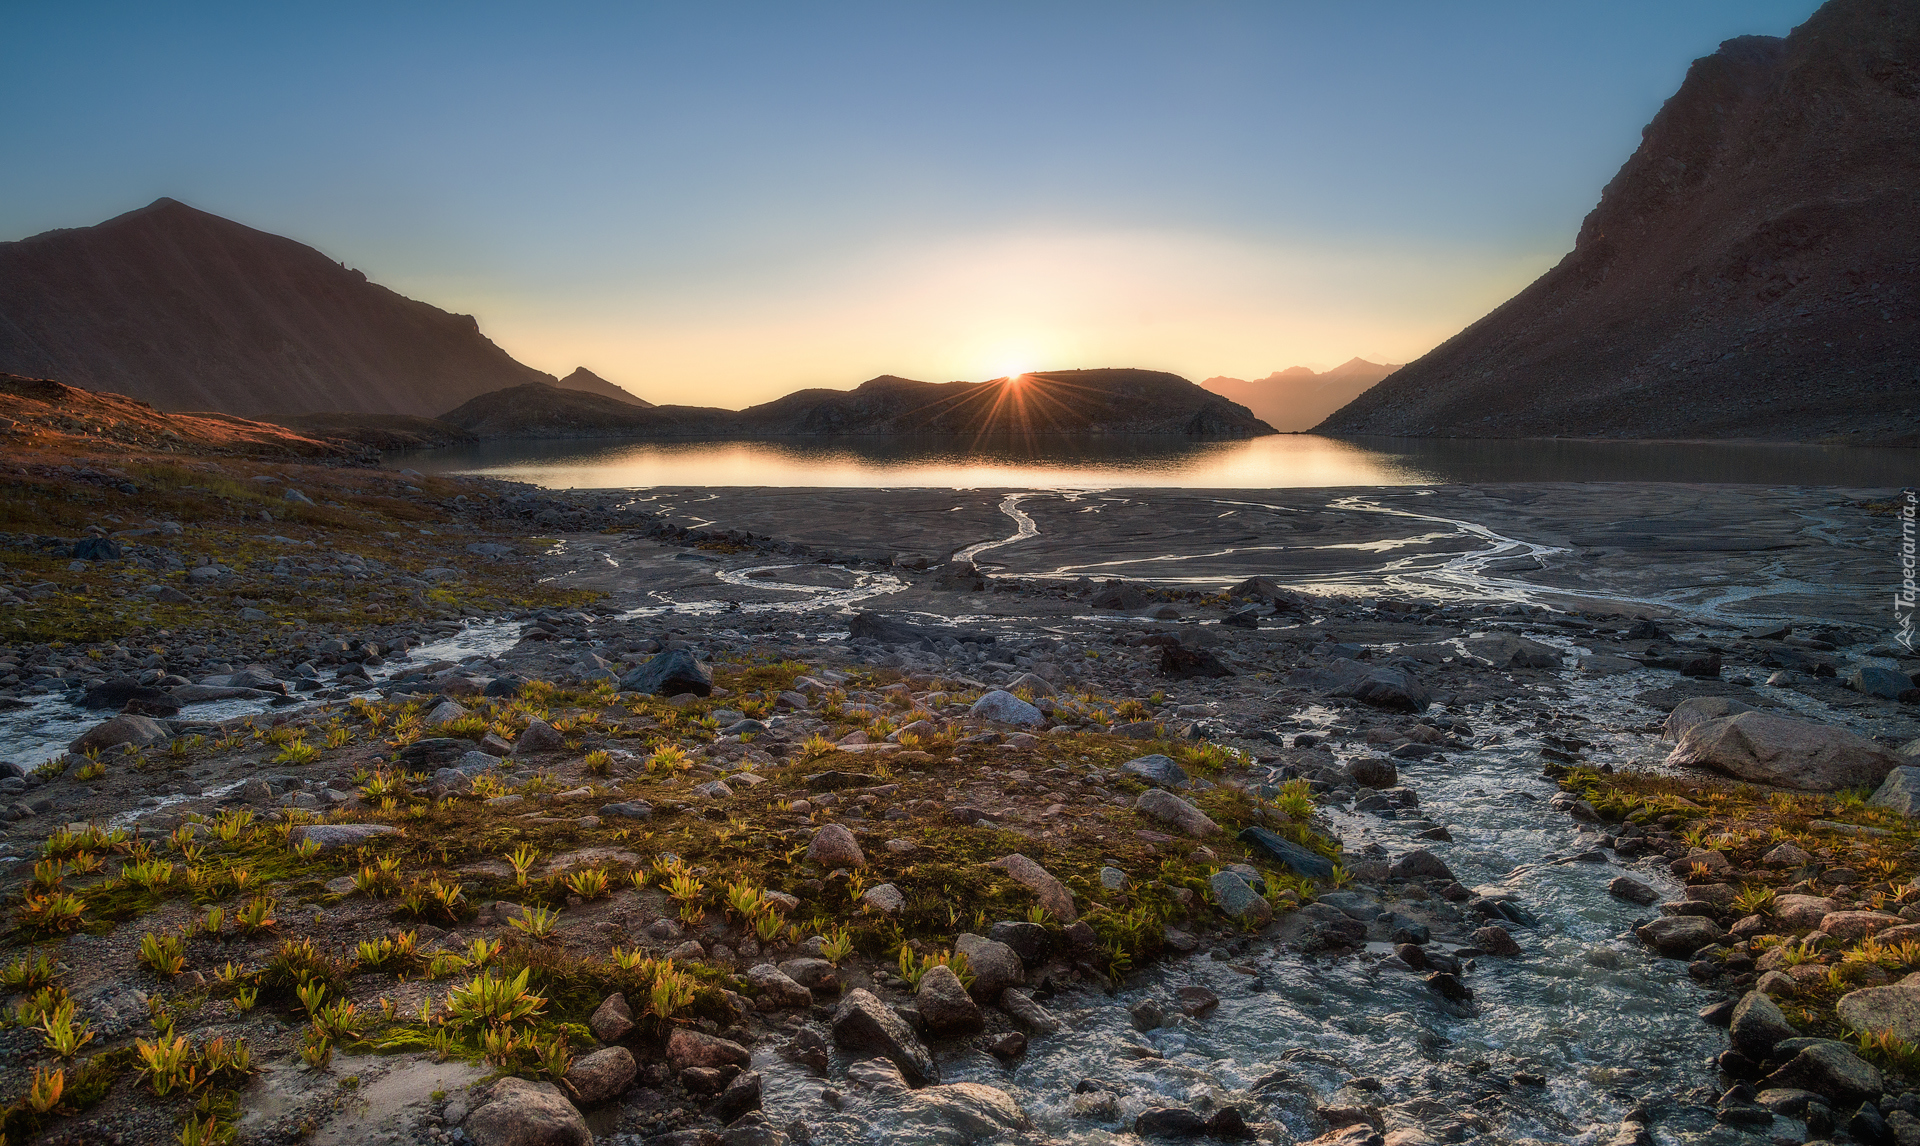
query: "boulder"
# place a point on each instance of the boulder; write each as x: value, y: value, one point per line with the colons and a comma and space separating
x: 1880, y: 681
x: 1765, y: 749
x: 1238, y: 900
x: 741, y: 1097
x: 1053, y: 894
x: 944, y: 1005
x: 1893, y: 1008
x: 116, y: 691
x: 968, y: 1110
x: 1301, y: 861
x: 1495, y: 940
x: 672, y: 673
x: 1510, y: 652
x: 612, y: 1019
x: 885, y: 898
x: 1119, y: 595
x: 1161, y: 771
x: 1680, y: 935
x: 1697, y: 710
x: 1831, y: 1070
x: 1006, y: 708
x: 1028, y: 940
x: 333, y: 837
x: 603, y: 1075
x: 814, y: 974
x: 522, y: 1113
x: 1029, y: 1014
x: 139, y: 731
x: 1167, y: 808
x: 1178, y: 662
x: 689, y: 1048
x: 1900, y: 791
x: 959, y: 577
x: 1420, y: 864
x: 1373, y: 772
x: 833, y: 846
x: 1632, y: 890
x: 887, y: 631
x: 1758, y: 1026
x: 995, y: 966
x: 776, y: 989
x: 539, y: 737
x: 1849, y: 925
x: 1801, y: 912
x: 863, y: 1022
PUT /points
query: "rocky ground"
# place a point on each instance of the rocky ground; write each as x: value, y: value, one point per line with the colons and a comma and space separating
x: 705, y: 832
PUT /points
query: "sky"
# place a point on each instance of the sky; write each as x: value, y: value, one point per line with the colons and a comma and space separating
x: 718, y: 203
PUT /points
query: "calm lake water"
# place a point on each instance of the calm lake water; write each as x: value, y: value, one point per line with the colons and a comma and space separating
x: 1287, y: 460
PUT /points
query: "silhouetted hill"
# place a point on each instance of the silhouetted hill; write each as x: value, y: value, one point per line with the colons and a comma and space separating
x: 1298, y: 399
x: 1112, y: 401
x: 587, y: 381
x: 187, y: 310
x: 1752, y: 271
x: 1059, y: 402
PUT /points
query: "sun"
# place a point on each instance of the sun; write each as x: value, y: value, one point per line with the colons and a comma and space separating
x: 1014, y: 373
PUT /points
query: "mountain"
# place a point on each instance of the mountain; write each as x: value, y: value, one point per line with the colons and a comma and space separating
x: 1110, y: 401
x: 1057, y: 402
x: 1298, y: 399
x: 1753, y: 271
x: 587, y: 381
x: 190, y: 311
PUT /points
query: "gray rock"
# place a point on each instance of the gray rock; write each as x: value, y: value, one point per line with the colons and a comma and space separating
x: 1895, y: 1008
x: 740, y: 1098
x: 1238, y: 899
x: 672, y: 673
x: 1373, y: 772
x: 1510, y: 652
x: 1053, y: 894
x: 522, y: 1113
x: 612, y: 1019
x: 1761, y: 748
x: 777, y: 989
x: 446, y: 712
x: 139, y: 731
x: 628, y: 809
x: 863, y: 1022
x: 1495, y: 940
x: 967, y: 1111
x: 687, y: 1048
x: 1698, y: 710
x: 1007, y: 708
x: 1167, y: 808
x: 885, y: 898
x: 332, y: 837
x: 1831, y: 1070
x: 944, y: 1005
x: 1157, y: 769
x: 1029, y: 1014
x: 995, y: 966
x: 1028, y: 940
x: 1900, y: 791
x: 1420, y: 864
x: 1300, y: 860
x: 1877, y: 680
x: 605, y: 1074
x: 538, y: 738
x: 1680, y: 935
x: 834, y: 846
x: 1758, y: 1026
x: 1632, y: 890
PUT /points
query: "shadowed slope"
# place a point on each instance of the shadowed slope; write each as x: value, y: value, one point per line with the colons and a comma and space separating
x: 1752, y: 271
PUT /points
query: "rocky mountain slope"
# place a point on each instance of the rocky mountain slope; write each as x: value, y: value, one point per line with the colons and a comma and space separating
x: 1063, y: 402
x: 1752, y: 271
x: 1297, y: 398
x: 190, y: 311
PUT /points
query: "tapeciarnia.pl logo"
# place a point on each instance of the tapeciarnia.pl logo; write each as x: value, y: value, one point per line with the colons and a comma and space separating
x: 1903, y: 600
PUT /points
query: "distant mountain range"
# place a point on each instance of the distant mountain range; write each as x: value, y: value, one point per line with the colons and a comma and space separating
x: 189, y: 311
x: 1113, y: 401
x: 1298, y: 399
x: 1753, y: 271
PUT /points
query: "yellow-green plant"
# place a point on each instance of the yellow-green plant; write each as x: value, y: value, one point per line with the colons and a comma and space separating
x: 535, y: 922
x: 486, y: 1001
x: 588, y: 883
x: 167, y: 1063
x: 162, y: 954
x: 61, y: 1034
x: 45, y: 1088
x: 256, y: 916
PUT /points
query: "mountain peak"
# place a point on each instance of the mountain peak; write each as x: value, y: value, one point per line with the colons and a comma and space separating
x: 587, y: 382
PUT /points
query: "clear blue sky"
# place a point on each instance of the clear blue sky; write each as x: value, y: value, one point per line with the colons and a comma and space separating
x: 719, y: 202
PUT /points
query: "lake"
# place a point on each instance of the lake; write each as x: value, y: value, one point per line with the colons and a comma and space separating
x: 1100, y: 462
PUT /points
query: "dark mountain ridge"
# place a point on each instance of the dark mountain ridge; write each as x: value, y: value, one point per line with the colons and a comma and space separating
x: 1753, y: 271
x: 1110, y: 401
